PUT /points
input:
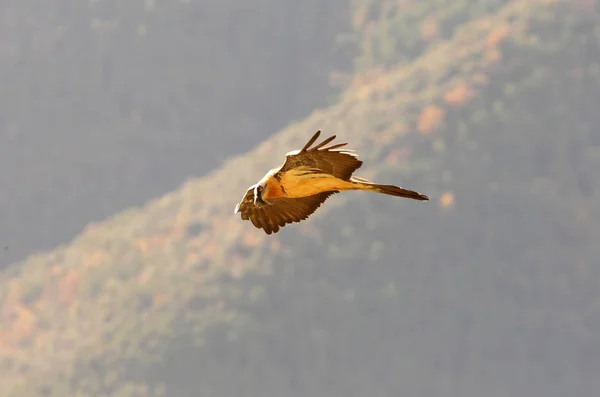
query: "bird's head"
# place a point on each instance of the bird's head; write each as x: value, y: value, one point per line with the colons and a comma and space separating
x: 259, y: 191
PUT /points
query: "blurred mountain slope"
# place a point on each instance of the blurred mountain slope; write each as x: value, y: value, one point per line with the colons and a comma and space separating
x: 392, y: 32
x: 107, y: 104
x: 489, y: 289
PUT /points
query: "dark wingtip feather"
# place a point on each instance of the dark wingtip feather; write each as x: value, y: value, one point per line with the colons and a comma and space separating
x: 336, y: 146
x: 311, y: 141
x: 325, y: 142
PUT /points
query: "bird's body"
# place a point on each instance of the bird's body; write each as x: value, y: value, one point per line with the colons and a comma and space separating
x: 294, y: 190
x: 303, y: 182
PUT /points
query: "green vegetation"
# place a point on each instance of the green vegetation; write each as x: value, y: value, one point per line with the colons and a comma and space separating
x: 391, y: 32
x: 489, y: 289
x: 105, y: 104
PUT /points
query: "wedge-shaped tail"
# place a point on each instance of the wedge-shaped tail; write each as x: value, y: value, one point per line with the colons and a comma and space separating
x: 363, y: 184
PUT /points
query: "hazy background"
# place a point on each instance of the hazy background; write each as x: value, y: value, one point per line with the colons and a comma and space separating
x: 107, y: 104
x: 131, y: 129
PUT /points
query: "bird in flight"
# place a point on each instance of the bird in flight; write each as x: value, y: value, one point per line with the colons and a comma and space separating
x: 292, y: 191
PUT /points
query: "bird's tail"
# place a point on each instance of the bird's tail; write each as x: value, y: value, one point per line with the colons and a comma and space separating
x: 363, y: 184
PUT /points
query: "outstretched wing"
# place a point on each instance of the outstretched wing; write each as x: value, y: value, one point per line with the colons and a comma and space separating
x: 328, y: 160
x: 279, y: 212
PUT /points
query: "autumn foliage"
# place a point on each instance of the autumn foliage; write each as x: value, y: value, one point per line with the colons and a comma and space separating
x: 74, y: 320
x: 430, y: 118
x: 460, y: 94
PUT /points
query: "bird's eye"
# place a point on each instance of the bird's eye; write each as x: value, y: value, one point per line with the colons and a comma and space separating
x: 260, y: 188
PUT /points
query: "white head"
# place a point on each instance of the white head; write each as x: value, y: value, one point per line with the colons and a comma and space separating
x: 259, y: 190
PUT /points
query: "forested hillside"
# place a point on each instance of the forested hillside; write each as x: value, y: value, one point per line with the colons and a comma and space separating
x: 107, y: 103
x: 489, y: 289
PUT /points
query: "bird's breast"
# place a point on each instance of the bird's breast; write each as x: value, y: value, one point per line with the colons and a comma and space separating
x: 303, y: 182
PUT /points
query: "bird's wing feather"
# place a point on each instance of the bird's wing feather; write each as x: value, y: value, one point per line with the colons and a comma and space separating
x: 329, y: 160
x: 279, y: 212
